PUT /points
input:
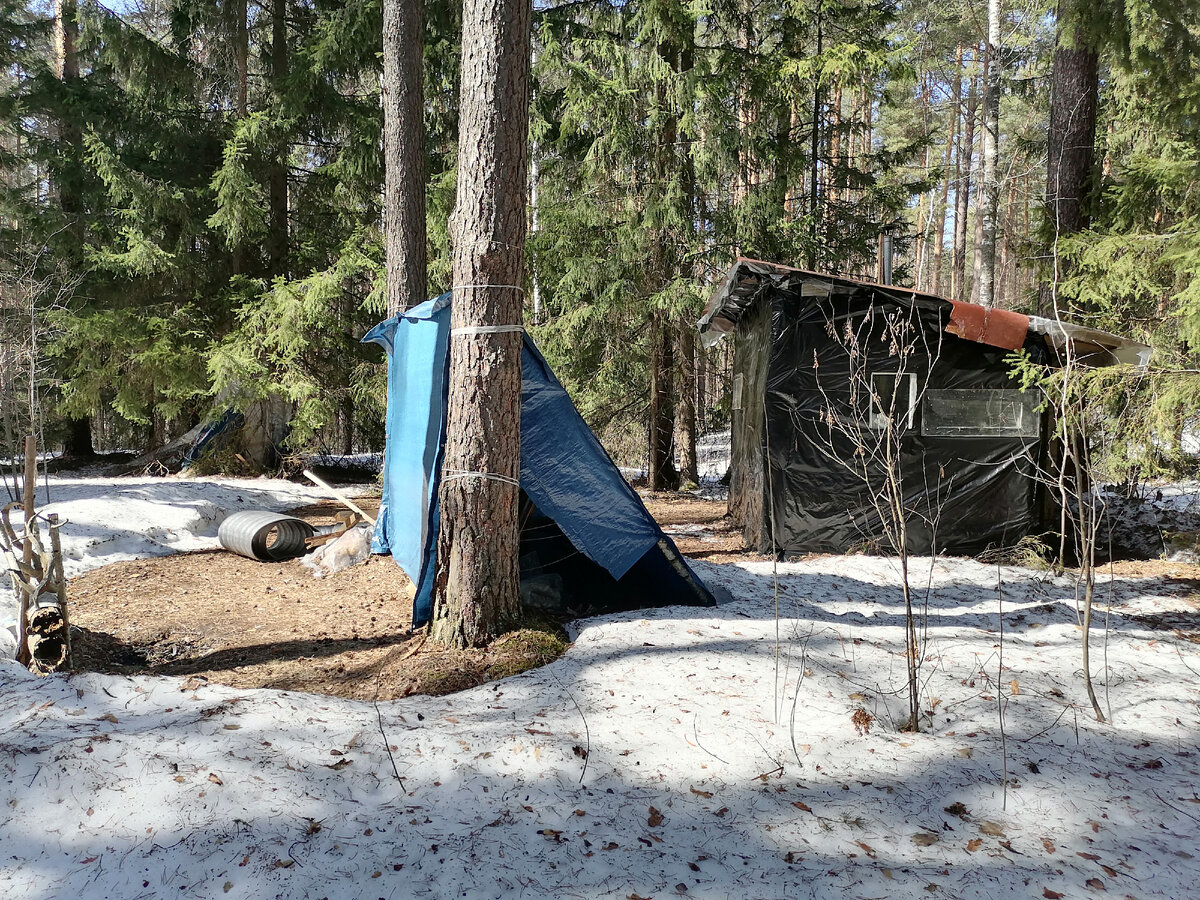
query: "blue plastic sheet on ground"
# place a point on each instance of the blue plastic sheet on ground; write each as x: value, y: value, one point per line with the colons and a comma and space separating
x: 213, y: 431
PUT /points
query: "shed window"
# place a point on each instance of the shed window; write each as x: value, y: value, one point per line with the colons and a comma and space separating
x: 984, y: 412
x: 892, y: 394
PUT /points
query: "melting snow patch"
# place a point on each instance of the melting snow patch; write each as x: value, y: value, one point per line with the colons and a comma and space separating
x: 746, y: 751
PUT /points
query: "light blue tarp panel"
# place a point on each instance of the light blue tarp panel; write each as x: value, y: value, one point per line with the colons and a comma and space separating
x: 564, y: 469
x: 416, y: 342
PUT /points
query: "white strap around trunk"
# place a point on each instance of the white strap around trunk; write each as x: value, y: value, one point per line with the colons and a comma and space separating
x: 485, y: 329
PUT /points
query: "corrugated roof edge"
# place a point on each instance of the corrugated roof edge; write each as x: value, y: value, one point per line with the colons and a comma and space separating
x: 995, y: 327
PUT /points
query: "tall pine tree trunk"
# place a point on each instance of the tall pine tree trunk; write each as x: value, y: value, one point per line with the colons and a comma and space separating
x: 1072, y: 141
x: 477, y: 589
x: 921, y: 243
x: 814, y: 208
x: 277, y: 175
x: 241, y: 59
x: 746, y: 117
x: 78, y: 439
x: 947, y: 175
x: 685, y: 407
x: 404, y: 153
x: 991, y: 142
x: 962, y: 193
x: 963, y: 169
x: 836, y: 163
x: 662, y: 474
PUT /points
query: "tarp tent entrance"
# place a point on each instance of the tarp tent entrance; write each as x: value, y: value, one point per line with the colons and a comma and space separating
x: 588, y: 545
x: 972, y: 441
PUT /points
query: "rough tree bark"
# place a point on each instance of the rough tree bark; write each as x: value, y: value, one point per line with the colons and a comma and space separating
x: 241, y: 55
x: 989, y: 199
x: 477, y: 583
x: 962, y: 192
x: 662, y: 474
x: 1072, y: 141
x: 277, y: 181
x: 920, y: 243
x: 814, y: 207
x: 837, y: 165
x: 78, y: 440
x: 939, y: 227
x: 404, y: 153
x: 685, y: 408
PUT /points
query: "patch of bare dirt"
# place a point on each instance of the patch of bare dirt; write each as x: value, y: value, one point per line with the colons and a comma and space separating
x: 700, y: 528
x: 219, y: 617
x: 1151, y: 568
x: 223, y: 618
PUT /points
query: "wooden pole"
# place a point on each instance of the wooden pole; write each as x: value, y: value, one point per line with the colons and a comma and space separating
x: 346, y: 501
x: 27, y: 488
x: 59, y: 582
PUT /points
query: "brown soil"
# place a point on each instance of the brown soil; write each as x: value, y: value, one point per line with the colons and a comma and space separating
x: 721, y: 540
x: 216, y: 616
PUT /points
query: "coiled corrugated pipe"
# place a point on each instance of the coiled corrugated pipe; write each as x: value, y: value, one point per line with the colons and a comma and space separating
x: 265, y: 536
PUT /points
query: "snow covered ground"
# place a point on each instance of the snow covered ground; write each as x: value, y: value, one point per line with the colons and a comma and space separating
x: 746, y: 751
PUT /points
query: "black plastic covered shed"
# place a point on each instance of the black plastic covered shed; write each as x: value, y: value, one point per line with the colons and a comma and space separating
x: 971, y: 440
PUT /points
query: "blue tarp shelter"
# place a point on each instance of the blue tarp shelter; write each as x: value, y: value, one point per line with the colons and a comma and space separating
x: 588, y: 545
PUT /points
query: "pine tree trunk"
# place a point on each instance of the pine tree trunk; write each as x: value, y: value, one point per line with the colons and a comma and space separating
x: 836, y: 164
x: 277, y: 176
x: 78, y: 441
x: 1072, y: 141
x: 662, y: 475
x: 745, y: 112
x: 241, y: 53
x: 814, y: 208
x: 962, y: 193
x: 404, y: 153
x: 1005, y: 276
x: 947, y: 175
x: 991, y: 139
x: 66, y: 39
x: 477, y: 585
x: 685, y: 409
x: 921, y: 242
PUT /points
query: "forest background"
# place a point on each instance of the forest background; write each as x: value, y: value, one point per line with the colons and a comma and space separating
x: 191, y: 199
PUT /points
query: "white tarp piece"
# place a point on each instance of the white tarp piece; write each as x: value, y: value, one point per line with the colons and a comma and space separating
x: 1086, y: 342
x: 679, y: 752
x: 351, y: 549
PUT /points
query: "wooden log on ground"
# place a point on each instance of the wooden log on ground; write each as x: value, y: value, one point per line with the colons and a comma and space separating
x: 47, y: 634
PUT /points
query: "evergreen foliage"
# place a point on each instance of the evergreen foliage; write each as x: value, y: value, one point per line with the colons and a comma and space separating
x: 140, y: 201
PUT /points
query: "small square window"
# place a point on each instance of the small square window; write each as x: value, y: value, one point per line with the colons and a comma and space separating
x: 895, y: 395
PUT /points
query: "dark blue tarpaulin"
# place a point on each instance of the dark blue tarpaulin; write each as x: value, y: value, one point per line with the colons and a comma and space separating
x: 565, y: 471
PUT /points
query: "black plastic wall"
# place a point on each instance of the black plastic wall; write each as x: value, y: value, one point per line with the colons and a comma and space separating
x: 961, y: 494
